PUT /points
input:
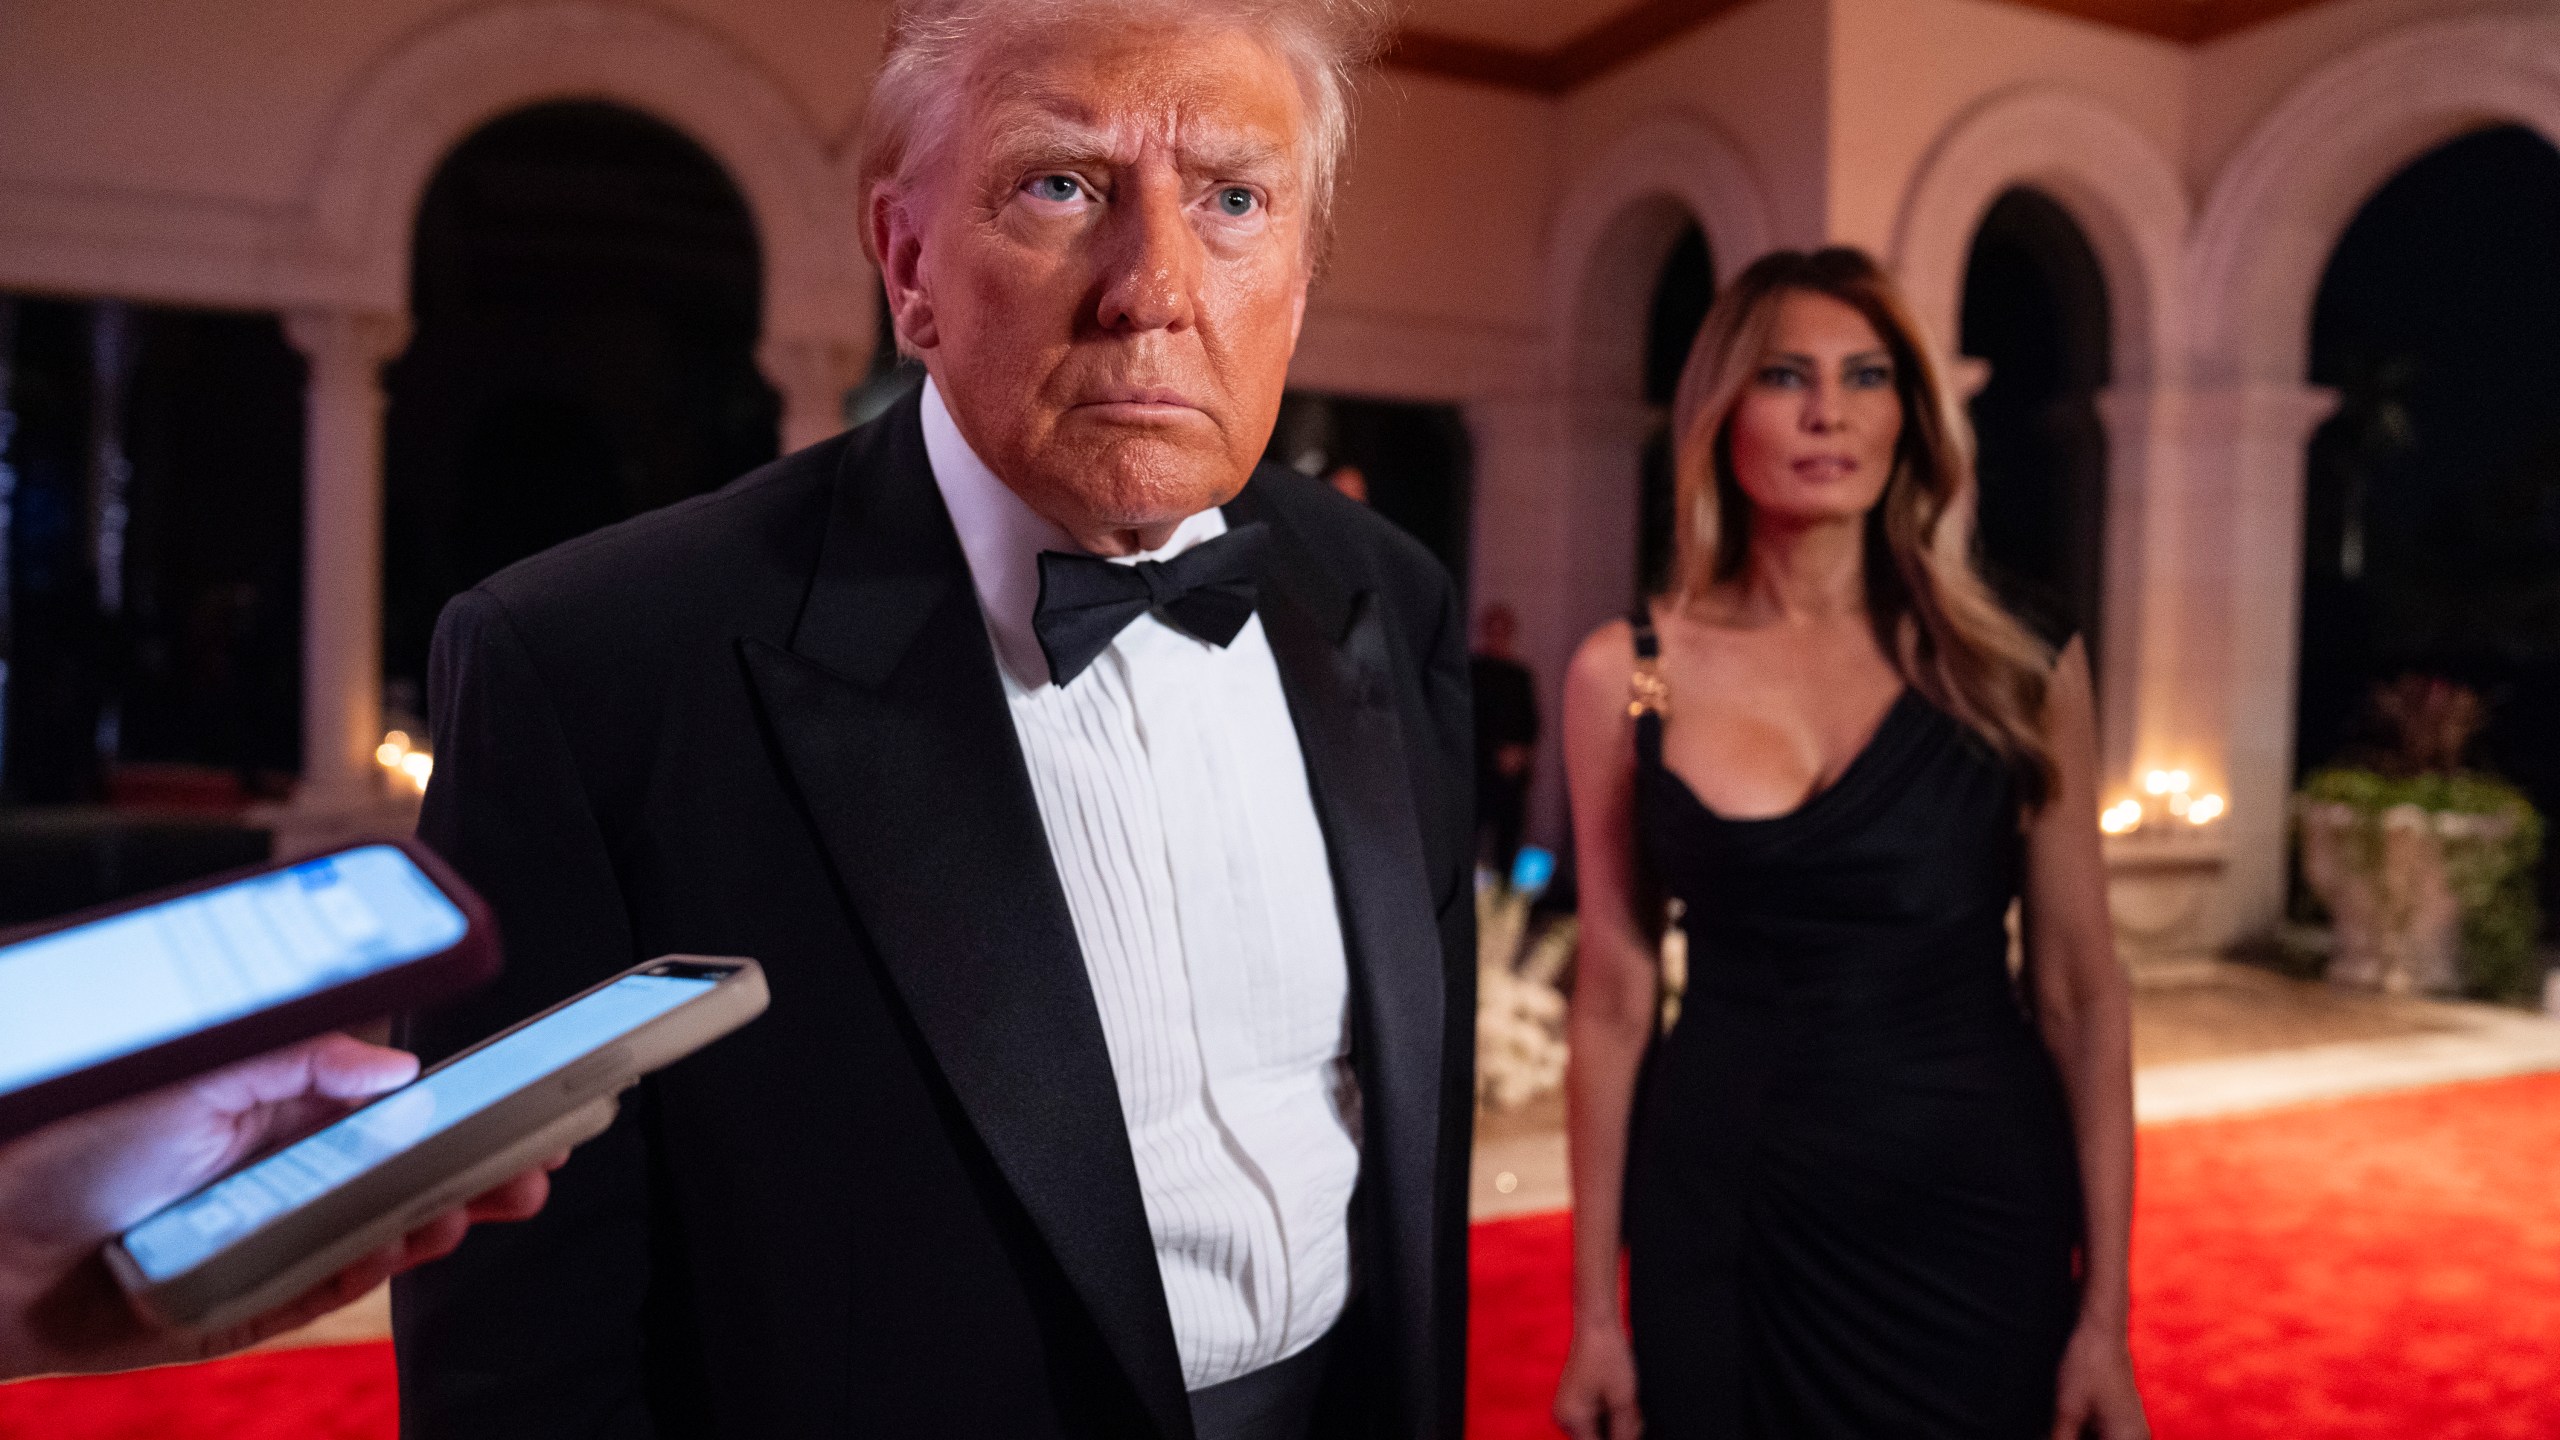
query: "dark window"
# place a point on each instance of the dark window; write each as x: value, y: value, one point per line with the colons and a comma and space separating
x: 587, y: 290
x: 2035, y: 308
x: 1682, y: 294
x: 2431, y: 516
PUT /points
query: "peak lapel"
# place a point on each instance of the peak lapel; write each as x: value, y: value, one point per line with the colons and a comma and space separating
x: 890, y: 719
x: 1337, y: 670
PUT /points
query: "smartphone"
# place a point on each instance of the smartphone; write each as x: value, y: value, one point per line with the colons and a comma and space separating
x: 129, y: 997
x: 266, y: 1233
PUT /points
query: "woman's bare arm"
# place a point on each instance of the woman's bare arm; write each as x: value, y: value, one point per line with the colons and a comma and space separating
x: 1608, y: 1026
x: 2084, y: 1007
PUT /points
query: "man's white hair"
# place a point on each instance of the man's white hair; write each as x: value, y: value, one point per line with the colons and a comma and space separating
x: 931, y: 44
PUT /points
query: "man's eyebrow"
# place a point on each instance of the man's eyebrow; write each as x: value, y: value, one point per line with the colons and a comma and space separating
x: 1234, y: 153
x: 1047, y: 136
x: 1037, y: 131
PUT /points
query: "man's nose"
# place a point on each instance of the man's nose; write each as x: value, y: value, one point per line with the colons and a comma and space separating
x: 1152, y: 265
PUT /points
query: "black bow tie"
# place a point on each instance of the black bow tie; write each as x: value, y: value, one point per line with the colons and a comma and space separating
x: 1206, y: 592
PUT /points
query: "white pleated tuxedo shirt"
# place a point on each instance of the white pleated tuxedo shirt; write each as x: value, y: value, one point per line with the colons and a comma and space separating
x: 1178, y: 813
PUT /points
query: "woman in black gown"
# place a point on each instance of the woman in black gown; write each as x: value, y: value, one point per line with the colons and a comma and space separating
x: 1866, y: 1183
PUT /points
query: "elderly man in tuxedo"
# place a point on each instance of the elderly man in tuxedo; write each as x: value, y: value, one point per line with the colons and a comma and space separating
x: 1096, y: 799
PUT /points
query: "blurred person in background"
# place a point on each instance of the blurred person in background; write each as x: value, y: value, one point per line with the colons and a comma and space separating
x: 1869, y: 1184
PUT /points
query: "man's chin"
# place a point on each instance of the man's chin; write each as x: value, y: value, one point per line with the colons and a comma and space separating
x: 1144, y: 480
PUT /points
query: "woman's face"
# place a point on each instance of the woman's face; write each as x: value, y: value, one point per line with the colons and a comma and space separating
x: 1813, y: 436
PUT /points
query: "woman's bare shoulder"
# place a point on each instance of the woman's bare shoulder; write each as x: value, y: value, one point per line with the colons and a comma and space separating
x: 1603, y: 661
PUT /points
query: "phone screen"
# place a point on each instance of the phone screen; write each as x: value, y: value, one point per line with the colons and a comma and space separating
x: 89, y: 994
x: 180, y: 1237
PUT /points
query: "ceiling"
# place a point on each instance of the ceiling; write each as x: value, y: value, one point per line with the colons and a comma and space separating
x: 1552, y: 46
x: 1517, y: 24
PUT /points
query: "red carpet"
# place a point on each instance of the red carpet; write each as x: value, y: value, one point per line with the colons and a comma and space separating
x: 2375, y: 1268
x: 330, y: 1392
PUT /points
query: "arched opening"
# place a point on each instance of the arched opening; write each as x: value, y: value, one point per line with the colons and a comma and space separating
x: 2035, y: 309
x: 586, y: 289
x: 1682, y: 291
x: 2431, y: 508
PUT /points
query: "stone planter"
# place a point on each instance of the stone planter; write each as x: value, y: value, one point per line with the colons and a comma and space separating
x: 2161, y: 883
x: 2390, y: 893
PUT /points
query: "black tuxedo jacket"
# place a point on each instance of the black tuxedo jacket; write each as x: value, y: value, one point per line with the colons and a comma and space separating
x: 768, y: 722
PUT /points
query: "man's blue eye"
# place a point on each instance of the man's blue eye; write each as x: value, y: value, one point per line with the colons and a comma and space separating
x: 1236, y: 201
x: 1058, y: 188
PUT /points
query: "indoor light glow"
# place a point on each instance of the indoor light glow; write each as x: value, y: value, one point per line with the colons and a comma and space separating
x: 2167, y: 782
x: 2203, y: 809
x: 2121, y: 817
x: 396, y: 756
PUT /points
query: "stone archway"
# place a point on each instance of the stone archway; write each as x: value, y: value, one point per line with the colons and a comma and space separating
x: 2261, y: 245
x: 584, y: 311
x: 2036, y: 312
x: 395, y: 126
x: 2126, y: 200
x: 420, y: 100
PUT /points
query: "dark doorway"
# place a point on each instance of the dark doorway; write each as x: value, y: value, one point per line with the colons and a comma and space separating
x: 1415, y: 459
x: 2431, y: 515
x: 1682, y: 294
x: 2035, y: 309
x: 150, y: 554
x: 586, y: 288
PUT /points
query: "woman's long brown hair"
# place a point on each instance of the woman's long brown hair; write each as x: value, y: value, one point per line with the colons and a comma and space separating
x: 1932, y: 612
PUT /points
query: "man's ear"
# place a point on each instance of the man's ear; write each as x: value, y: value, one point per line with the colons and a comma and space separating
x: 895, y: 239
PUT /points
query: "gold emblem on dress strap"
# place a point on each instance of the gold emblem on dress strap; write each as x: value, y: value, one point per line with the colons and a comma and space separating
x: 1675, y: 961
x: 1646, y: 692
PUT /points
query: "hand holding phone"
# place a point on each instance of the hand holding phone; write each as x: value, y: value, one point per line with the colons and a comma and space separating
x: 257, y: 1237
x: 70, y: 1186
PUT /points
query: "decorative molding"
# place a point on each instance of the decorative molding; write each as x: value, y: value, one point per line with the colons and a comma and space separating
x: 2188, y: 22
x: 146, y: 246
x: 1649, y: 25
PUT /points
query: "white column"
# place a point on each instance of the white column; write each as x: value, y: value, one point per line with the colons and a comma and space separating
x: 1557, y: 482
x: 342, y: 552
x: 812, y: 374
x: 2237, y: 555
x: 2140, y: 585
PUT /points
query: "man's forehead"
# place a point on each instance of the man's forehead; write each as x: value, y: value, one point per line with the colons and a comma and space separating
x: 1125, y: 99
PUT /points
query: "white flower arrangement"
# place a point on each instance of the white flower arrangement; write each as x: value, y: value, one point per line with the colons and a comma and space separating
x: 1520, y: 1047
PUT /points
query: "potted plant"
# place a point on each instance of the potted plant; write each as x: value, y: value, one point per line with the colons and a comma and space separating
x: 2426, y: 867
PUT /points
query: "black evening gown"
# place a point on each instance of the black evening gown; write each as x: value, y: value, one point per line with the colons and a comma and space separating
x: 1852, y: 1195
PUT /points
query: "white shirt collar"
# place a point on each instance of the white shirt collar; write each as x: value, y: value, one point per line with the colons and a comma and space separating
x: 1003, y: 537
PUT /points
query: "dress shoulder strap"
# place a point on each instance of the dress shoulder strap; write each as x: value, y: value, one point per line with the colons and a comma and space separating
x: 1647, y: 694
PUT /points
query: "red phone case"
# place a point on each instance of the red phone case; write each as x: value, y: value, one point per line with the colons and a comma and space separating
x: 470, y: 962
